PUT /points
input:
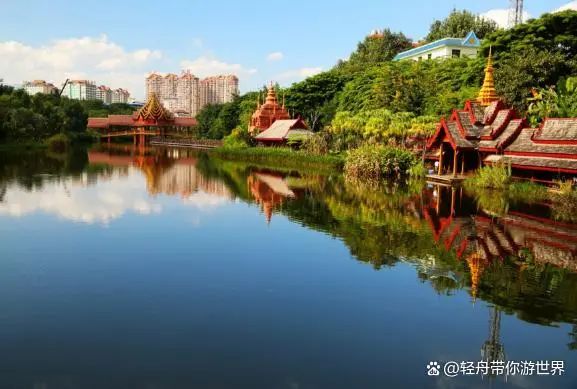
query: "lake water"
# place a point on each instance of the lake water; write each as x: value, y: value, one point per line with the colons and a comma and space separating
x: 169, y: 269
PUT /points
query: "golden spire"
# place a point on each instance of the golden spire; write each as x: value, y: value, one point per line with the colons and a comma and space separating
x: 153, y: 110
x: 488, y: 94
x: 476, y: 266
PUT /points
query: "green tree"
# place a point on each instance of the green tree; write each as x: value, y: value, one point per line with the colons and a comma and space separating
x: 517, y: 74
x: 458, y: 24
x: 379, y: 47
x: 206, y: 119
x: 556, y: 32
x: 312, y: 98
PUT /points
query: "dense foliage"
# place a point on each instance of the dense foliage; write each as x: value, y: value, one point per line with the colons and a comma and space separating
x: 560, y: 101
x: 535, y: 54
x: 38, y: 117
x: 374, y: 162
x: 458, y: 24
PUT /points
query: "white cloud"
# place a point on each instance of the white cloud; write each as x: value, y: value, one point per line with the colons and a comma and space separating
x: 296, y: 75
x: 93, y: 58
x: 208, y: 65
x: 73, y: 199
x: 571, y: 5
x: 275, y: 56
x: 501, y: 16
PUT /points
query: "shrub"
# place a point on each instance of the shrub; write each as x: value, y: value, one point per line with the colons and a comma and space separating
x: 239, y: 137
x: 318, y: 144
x: 497, y: 176
x: 59, y: 142
x: 376, y: 162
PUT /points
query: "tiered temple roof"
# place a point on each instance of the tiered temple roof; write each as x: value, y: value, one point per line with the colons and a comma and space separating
x: 152, y: 114
x: 496, y: 133
x: 267, y: 113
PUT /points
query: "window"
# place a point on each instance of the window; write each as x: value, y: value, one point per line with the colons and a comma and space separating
x: 455, y: 53
x: 429, y: 56
x: 420, y: 58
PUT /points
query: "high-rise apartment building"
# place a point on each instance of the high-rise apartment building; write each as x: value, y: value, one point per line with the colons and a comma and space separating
x: 104, y: 94
x: 80, y: 90
x: 120, y: 96
x: 186, y: 93
x: 39, y: 86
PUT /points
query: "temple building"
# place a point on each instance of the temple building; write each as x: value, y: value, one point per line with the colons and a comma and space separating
x: 486, y: 131
x: 271, y: 123
x: 153, y: 119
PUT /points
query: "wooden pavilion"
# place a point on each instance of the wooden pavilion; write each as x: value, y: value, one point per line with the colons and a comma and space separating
x: 150, y: 120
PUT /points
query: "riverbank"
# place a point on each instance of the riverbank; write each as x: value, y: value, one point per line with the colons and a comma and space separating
x: 283, y: 158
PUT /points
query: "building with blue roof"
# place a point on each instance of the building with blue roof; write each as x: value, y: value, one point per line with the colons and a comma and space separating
x: 444, y: 48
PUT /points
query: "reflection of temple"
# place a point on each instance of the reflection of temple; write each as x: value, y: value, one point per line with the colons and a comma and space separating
x: 269, y: 191
x: 165, y: 173
x: 479, y: 237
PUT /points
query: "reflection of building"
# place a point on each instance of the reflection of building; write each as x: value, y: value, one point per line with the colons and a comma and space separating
x: 165, y: 174
x: 486, y: 131
x: 269, y: 191
x: 492, y: 349
x: 481, y: 237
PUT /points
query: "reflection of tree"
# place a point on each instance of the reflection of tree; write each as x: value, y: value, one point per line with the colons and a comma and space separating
x: 2, y: 192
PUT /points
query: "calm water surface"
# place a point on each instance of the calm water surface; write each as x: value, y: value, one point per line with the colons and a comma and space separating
x: 169, y: 269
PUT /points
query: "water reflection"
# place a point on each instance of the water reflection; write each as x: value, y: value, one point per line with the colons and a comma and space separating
x: 520, y: 259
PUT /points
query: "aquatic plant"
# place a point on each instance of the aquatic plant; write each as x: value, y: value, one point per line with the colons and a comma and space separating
x: 496, y: 176
x: 377, y: 161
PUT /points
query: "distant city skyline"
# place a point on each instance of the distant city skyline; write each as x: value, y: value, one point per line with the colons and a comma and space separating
x: 62, y: 40
x: 187, y: 94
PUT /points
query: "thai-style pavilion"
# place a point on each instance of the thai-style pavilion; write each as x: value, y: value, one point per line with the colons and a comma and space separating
x: 271, y: 123
x: 150, y: 120
x: 486, y: 131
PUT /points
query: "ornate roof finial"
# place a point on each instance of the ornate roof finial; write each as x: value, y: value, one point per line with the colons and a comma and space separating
x: 488, y: 94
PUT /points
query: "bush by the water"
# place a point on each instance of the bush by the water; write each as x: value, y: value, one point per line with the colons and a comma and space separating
x: 377, y: 161
x: 59, y: 142
x: 497, y: 176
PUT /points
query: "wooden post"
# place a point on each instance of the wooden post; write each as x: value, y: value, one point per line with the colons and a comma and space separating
x: 455, y: 159
x: 462, y: 163
x: 440, y: 172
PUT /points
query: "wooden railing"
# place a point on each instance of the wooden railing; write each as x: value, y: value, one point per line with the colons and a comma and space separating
x: 186, y: 142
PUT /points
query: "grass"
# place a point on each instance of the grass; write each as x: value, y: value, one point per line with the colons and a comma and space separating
x: 374, y: 162
x: 497, y: 176
x: 279, y: 157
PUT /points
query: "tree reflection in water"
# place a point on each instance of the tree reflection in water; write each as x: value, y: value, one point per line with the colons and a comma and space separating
x: 520, y: 258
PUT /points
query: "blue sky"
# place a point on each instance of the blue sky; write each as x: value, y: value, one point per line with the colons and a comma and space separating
x: 119, y: 42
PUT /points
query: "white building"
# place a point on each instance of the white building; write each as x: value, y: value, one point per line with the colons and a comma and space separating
x: 443, y: 48
x: 80, y: 90
x: 186, y: 93
x: 104, y: 94
x: 120, y: 96
x: 39, y: 86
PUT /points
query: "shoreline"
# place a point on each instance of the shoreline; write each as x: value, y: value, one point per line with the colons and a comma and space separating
x: 280, y: 158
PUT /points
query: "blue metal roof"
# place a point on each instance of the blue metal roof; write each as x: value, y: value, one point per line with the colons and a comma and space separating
x: 470, y: 40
